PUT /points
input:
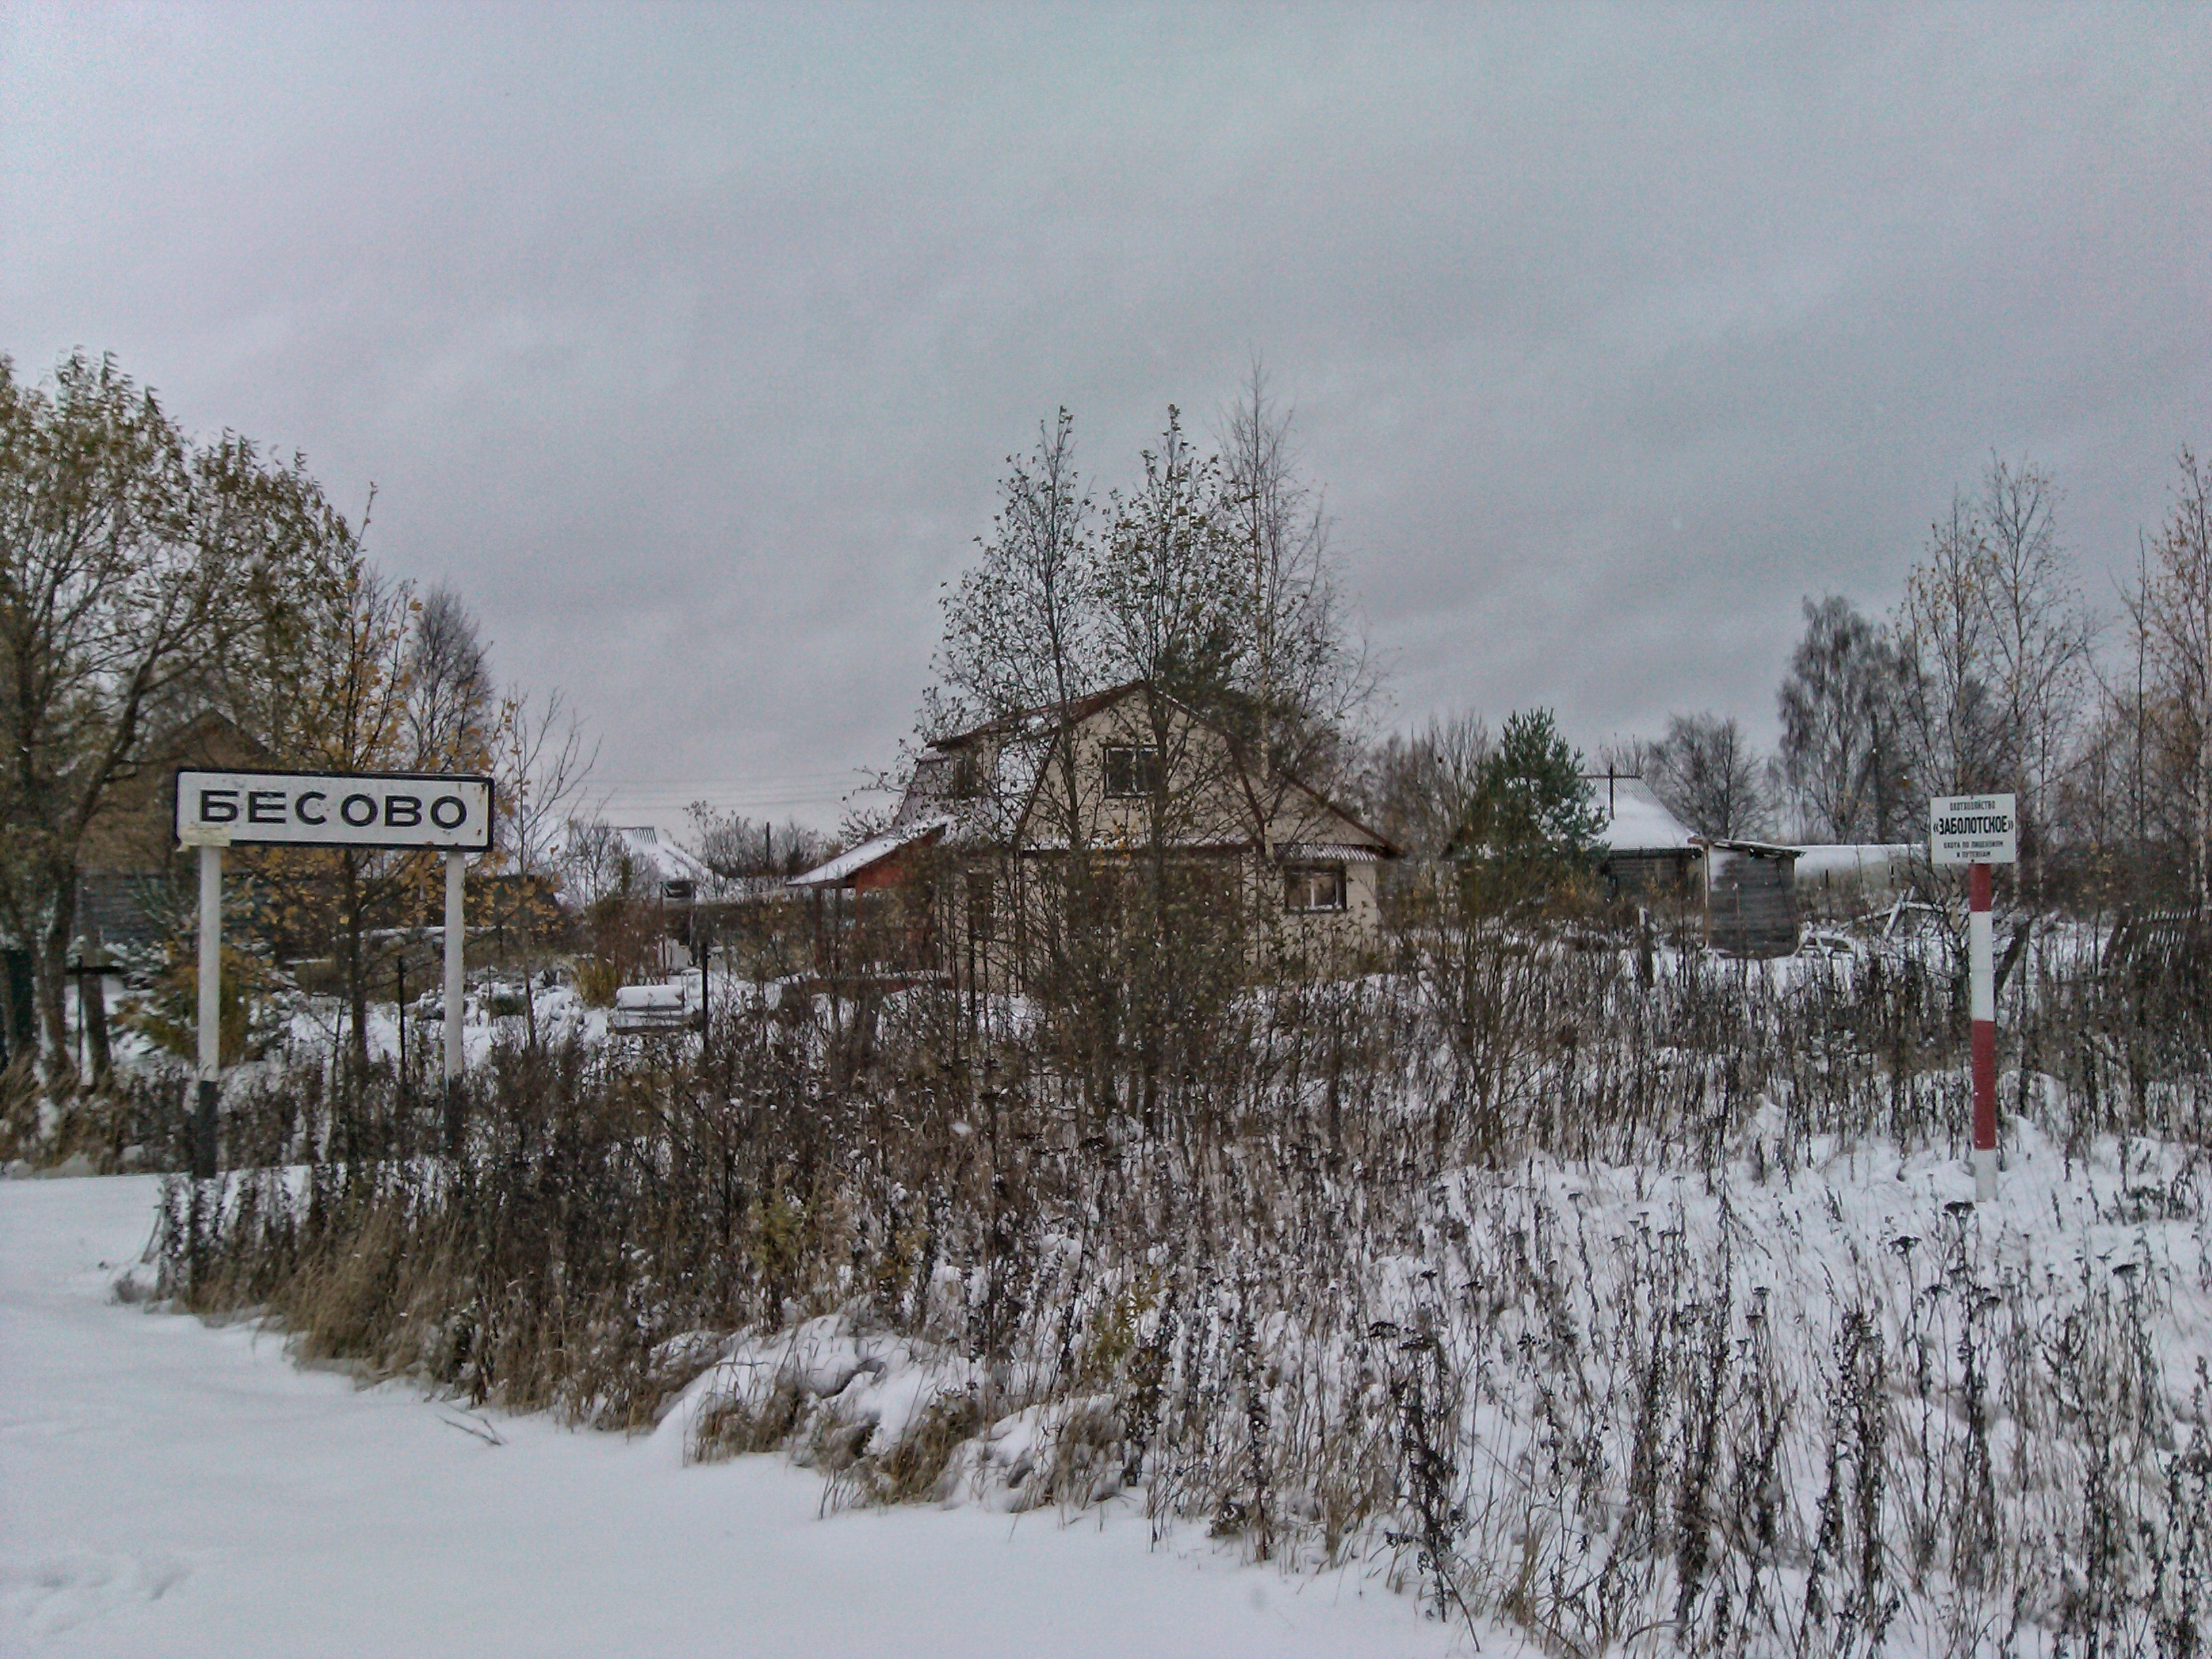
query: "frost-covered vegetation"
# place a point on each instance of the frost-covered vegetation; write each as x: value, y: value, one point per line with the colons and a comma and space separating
x: 1622, y: 1297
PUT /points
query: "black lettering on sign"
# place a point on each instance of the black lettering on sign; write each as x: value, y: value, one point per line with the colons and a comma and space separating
x: 364, y: 817
x: 218, y: 806
x: 299, y: 808
x: 449, y: 812
x: 402, y: 811
x: 264, y: 806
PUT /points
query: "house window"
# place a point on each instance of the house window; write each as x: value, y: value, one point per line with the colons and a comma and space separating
x: 1132, y: 771
x: 979, y: 907
x: 1313, y: 887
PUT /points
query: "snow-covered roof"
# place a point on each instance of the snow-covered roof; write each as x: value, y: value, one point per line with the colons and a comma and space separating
x: 662, y: 860
x: 1872, y: 859
x: 846, y: 865
x: 1637, y: 821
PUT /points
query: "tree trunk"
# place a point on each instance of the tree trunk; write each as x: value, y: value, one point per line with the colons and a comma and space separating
x: 52, y: 965
x: 92, y: 1014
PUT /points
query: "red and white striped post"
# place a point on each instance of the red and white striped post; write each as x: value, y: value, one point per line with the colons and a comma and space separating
x: 1979, y: 831
x: 1983, y: 1007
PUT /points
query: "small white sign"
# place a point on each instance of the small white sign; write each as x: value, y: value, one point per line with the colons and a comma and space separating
x: 394, y: 810
x: 1972, y: 830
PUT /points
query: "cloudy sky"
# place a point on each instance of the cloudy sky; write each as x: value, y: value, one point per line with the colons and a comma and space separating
x: 689, y: 344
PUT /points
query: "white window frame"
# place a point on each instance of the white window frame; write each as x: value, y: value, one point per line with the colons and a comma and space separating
x: 1138, y: 754
x: 1303, y: 872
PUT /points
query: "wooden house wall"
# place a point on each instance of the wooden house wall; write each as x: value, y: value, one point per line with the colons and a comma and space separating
x: 1751, y: 906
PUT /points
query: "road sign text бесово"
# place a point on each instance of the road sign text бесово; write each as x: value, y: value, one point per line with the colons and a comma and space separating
x: 336, y: 809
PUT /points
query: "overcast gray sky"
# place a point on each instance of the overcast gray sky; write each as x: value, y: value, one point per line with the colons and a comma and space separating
x: 689, y: 344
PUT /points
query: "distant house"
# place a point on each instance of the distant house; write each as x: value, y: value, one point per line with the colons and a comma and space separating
x: 664, y: 871
x: 1746, y: 890
x: 1646, y: 852
x: 127, y: 903
x: 990, y: 812
x: 124, y: 903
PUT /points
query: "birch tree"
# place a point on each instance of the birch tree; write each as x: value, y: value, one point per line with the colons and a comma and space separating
x: 1841, y: 751
x: 2178, y: 616
x: 1706, y: 772
x: 2038, y: 647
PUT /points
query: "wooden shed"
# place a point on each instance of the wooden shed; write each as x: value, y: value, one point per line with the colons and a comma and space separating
x: 1750, y: 898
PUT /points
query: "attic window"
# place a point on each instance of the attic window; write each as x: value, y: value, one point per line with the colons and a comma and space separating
x: 1132, y: 771
x: 967, y: 780
x: 1308, y: 887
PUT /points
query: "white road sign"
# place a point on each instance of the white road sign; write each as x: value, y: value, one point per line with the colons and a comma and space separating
x: 397, y: 810
x: 1972, y: 830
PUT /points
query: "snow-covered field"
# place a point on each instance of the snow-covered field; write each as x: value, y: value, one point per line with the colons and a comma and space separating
x: 171, y: 1488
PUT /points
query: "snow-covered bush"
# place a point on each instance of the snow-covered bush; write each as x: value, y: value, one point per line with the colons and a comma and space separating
x: 1619, y: 1304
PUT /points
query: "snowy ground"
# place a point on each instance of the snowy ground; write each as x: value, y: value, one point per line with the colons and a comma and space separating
x: 168, y: 1488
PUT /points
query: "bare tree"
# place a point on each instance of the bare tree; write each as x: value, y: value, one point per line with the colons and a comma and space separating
x: 1945, y: 662
x: 1707, y: 773
x: 451, y: 700
x: 1311, y: 675
x: 733, y: 847
x: 542, y: 764
x: 1421, y: 786
x: 595, y: 862
x: 2039, y: 638
x: 1019, y: 631
x: 2179, y: 617
x: 1841, y: 754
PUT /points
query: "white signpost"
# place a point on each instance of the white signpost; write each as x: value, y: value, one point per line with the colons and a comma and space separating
x: 395, y: 811
x: 1979, y: 831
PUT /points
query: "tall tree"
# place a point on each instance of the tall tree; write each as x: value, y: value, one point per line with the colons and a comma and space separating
x: 542, y: 765
x: 1421, y: 786
x: 451, y: 699
x: 1021, y: 630
x: 1310, y: 674
x: 1841, y: 754
x: 125, y: 554
x: 2178, y: 609
x: 2038, y: 645
x: 1536, y: 822
x: 1945, y: 666
x: 369, y: 693
x: 1706, y: 771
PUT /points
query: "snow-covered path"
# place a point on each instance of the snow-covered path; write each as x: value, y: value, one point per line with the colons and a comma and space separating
x: 168, y: 1488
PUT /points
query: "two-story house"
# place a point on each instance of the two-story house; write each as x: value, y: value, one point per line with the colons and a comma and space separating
x: 994, y: 819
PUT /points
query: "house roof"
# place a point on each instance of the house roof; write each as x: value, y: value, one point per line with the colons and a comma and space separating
x: 840, y: 871
x: 999, y: 807
x: 947, y: 798
x: 1637, y: 821
x: 1758, y: 850
x: 1868, y: 859
x: 663, y: 861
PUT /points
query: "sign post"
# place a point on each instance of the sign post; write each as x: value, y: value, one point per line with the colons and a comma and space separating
x: 1979, y: 831
x: 390, y: 811
x: 454, y: 992
x: 211, y: 840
